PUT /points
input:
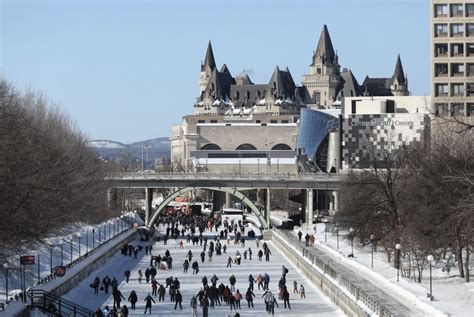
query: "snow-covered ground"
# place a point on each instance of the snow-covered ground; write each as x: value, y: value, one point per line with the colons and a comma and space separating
x: 48, y: 255
x: 315, y: 303
x: 452, y: 295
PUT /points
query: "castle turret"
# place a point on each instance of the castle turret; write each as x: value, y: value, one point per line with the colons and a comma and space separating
x: 324, y: 74
x: 399, y: 85
x: 207, y: 68
x: 325, y: 61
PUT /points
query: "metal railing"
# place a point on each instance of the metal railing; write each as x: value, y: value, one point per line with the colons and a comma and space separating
x: 341, y: 281
x: 42, y: 280
x: 210, y: 175
x: 55, y: 305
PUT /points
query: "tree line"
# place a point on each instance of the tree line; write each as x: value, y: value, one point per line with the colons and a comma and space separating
x: 420, y: 197
x: 48, y: 177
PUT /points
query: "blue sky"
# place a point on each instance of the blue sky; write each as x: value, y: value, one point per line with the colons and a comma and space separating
x: 129, y: 70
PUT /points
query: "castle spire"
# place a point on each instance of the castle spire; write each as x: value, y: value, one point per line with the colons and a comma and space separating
x: 398, y: 74
x: 325, y: 52
x: 209, y: 61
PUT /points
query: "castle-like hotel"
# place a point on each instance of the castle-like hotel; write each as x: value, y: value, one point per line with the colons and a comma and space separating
x: 240, y: 126
x: 323, y: 88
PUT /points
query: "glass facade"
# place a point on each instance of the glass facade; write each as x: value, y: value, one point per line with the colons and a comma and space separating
x: 314, y: 129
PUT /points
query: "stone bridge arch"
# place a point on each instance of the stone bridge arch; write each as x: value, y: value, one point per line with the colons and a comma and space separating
x: 232, y: 191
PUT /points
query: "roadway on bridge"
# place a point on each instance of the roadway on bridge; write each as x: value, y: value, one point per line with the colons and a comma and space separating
x: 315, y: 303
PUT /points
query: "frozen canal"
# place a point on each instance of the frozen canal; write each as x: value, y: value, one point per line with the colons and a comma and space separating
x: 315, y: 304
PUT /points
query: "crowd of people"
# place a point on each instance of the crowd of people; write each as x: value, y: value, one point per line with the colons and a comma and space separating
x: 215, y: 291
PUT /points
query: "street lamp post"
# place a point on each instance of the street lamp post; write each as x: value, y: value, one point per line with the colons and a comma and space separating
x: 71, y: 248
x: 6, y: 281
x: 372, y: 239
x: 337, y: 237
x: 99, y: 234
x: 79, y: 245
x: 144, y: 146
x: 325, y: 230
x: 430, y: 259
x: 93, y: 239
x: 62, y: 254
x: 87, y: 241
x: 351, y: 232
x: 110, y: 233
x: 398, y: 247
x: 51, y: 259
x: 269, y: 158
x: 258, y: 165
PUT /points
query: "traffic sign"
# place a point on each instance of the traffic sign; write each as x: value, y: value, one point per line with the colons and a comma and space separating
x: 60, y: 270
x: 27, y: 259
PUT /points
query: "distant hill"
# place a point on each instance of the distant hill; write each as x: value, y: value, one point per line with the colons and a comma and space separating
x: 109, y: 150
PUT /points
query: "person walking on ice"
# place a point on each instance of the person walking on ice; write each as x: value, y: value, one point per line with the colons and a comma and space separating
x: 302, y: 293
x: 148, y: 304
x: 194, y: 306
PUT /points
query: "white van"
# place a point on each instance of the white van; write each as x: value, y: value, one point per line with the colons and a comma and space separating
x: 232, y: 214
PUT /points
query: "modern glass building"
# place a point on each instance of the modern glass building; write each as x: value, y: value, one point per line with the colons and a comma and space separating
x: 317, y: 142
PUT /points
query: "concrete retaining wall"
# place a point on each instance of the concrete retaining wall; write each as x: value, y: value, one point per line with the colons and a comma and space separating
x: 324, y: 283
x: 94, y: 264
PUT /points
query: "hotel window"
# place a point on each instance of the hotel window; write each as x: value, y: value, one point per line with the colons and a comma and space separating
x: 457, y: 69
x: 457, y: 89
x: 457, y: 49
x: 470, y: 49
x: 470, y: 70
x: 457, y: 10
x: 441, y: 109
x: 457, y: 109
x: 470, y: 89
x: 441, y: 10
x: 441, y: 49
x: 470, y: 9
x: 442, y: 89
x: 441, y: 70
x: 470, y: 29
x: 441, y: 30
x: 457, y: 29
x: 470, y: 109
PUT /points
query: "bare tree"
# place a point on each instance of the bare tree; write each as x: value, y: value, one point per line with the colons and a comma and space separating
x: 48, y: 177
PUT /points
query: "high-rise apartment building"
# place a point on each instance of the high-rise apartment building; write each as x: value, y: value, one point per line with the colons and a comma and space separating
x: 452, y: 56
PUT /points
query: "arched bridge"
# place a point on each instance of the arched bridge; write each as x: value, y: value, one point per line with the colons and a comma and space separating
x: 263, y: 218
x: 229, y: 182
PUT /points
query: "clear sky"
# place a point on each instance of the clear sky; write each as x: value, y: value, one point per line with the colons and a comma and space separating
x: 129, y: 70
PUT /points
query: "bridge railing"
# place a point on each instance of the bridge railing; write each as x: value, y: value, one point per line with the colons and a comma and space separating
x: 240, y: 176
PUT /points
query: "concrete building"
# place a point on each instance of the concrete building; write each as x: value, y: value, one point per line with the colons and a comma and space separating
x: 372, y: 128
x: 255, y: 126
x: 452, y: 56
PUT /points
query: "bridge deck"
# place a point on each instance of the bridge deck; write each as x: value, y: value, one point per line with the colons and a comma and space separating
x: 234, y: 180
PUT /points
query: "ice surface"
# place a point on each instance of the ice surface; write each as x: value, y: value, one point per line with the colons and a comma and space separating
x: 315, y: 303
